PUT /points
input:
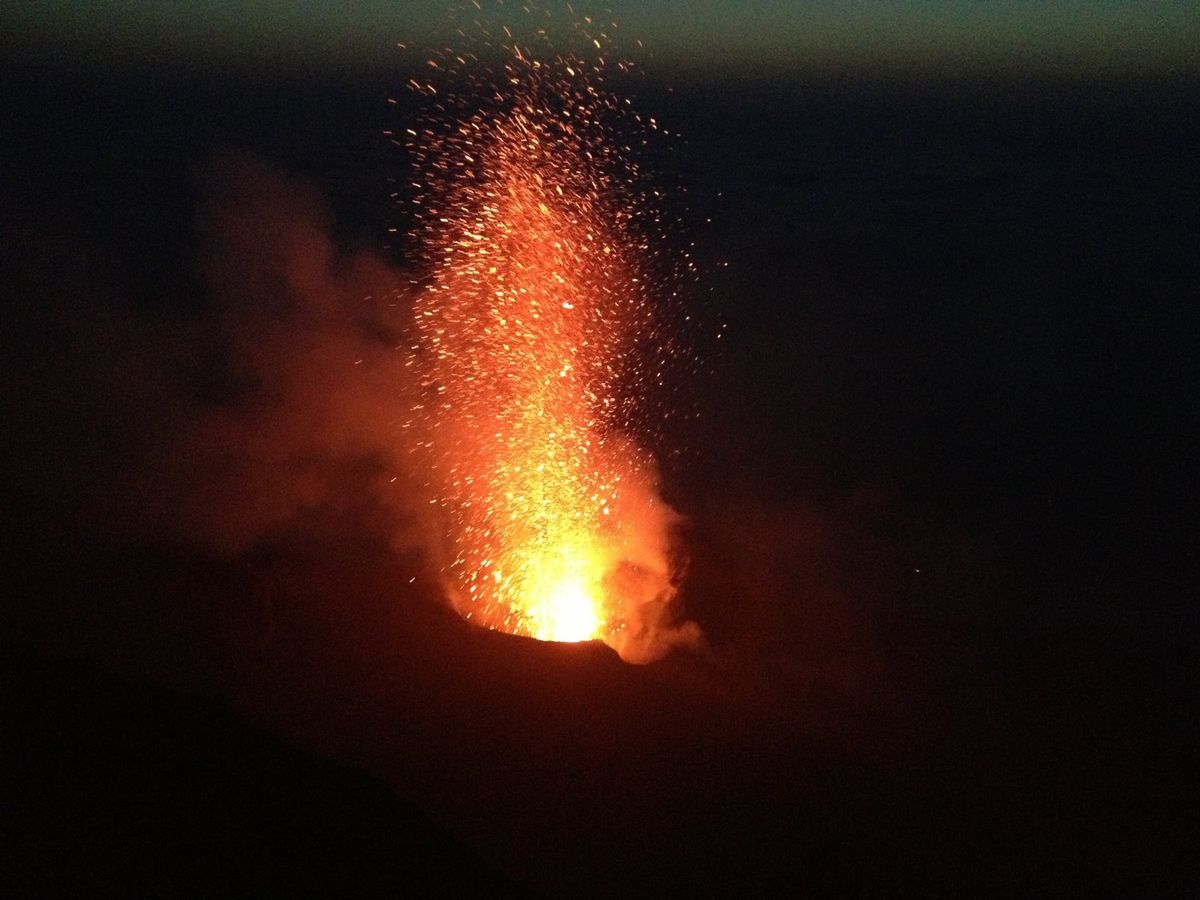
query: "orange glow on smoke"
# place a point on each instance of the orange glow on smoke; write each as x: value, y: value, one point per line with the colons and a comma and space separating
x: 538, y: 291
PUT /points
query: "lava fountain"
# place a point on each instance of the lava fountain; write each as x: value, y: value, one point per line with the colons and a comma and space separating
x: 532, y: 334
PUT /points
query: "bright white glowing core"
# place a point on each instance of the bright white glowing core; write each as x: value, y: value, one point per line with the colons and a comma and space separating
x: 567, y: 612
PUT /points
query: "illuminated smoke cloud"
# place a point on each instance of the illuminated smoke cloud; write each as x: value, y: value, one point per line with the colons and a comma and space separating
x: 510, y: 375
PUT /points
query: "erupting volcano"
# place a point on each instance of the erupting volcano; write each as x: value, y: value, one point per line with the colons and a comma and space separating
x: 538, y: 333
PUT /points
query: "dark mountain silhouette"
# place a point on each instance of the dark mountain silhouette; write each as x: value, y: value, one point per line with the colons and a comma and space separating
x: 119, y: 789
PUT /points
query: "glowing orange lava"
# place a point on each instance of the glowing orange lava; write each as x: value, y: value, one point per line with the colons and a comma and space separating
x: 538, y: 290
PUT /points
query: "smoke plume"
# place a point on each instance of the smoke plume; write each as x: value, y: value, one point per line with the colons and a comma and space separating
x: 271, y: 410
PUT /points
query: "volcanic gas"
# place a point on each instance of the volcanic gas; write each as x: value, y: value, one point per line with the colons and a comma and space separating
x: 538, y: 333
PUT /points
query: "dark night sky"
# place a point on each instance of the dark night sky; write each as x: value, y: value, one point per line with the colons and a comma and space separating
x: 1073, y: 38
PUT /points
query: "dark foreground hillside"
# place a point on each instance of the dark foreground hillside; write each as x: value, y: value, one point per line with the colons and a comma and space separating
x: 117, y: 789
